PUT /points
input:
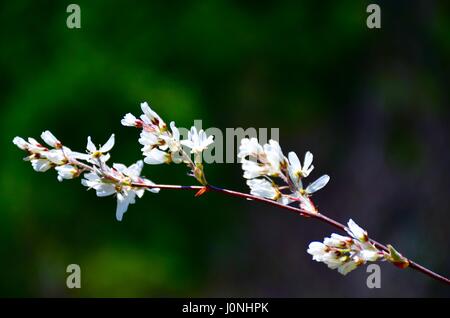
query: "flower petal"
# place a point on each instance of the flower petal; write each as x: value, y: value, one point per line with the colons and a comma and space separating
x: 108, y: 145
x: 318, y: 184
x: 90, y: 145
x: 307, y: 161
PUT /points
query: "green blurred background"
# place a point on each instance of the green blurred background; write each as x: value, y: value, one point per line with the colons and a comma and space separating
x: 372, y: 105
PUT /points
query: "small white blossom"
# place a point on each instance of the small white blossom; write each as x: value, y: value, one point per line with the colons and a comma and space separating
x: 345, y: 253
x: 253, y: 169
x: 266, y: 189
x: 32, y: 146
x: 171, y: 142
x: 267, y: 160
x: 50, y: 139
x: 41, y: 165
x: 337, y: 240
x: 149, y: 140
x: 21, y: 143
x: 197, y: 140
x: 152, y: 119
x: 296, y: 170
x: 250, y: 147
x: 119, y: 180
x: 156, y: 157
x: 160, y: 144
x: 63, y: 155
x: 67, y: 172
x: 263, y: 188
x: 130, y: 120
x: 102, y: 186
x: 37, y: 153
x: 275, y: 157
x: 317, y: 250
x: 370, y: 253
x: 356, y: 231
x: 101, y: 152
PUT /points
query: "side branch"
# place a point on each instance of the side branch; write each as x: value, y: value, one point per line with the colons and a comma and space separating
x: 299, y: 211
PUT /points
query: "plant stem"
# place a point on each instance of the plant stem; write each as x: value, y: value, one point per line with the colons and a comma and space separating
x: 317, y: 216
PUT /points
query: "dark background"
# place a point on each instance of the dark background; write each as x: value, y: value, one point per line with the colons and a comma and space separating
x: 372, y: 105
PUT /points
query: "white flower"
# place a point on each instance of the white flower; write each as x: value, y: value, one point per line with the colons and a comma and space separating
x: 37, y: 154
x: 317, y: 185
x: 263, y: 188
x: 253, y: 169
x: 267, y: 160
x: 32, y: 146
x: 333, y: 257
x: 317, y: 250
x: 156, y: 157
x: 42, y: 159
x: 41, y: 165
x: 131, y: 121
x: 275, y: 157
x: 295, y: 169
x: 250, y: 147
x: 345, y: 253
x: 50, y: 139
x: 171, y: 142
x: 102, y: 186
x: 119, y: 181
x: 370, y: 254
x: 356, y: 231
x: 149, y: 140
x: 152, y: 118
x: 197, y: 140
x: 133, y: 172
x: 21, y: 143
x: 161, y: 146
x: 127, y: 193
x: 337, y: 240
x: 63, y: 155
x: 100, y: 153
x: 66, y: 172
x: 348, y: 266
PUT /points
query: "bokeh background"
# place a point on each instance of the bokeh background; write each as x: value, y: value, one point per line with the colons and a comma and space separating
x: 372, y: 105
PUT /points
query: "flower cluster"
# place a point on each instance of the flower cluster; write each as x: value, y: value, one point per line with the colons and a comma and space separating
x: 164, y: 145
x: 345, y: 253
x: 261, y: 164
x: 119, y: 180
x: 124, y: 182
x: 54, y: 155
x: 161, y: 144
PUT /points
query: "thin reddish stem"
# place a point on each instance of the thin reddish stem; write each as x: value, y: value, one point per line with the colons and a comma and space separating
x: 299, y: 211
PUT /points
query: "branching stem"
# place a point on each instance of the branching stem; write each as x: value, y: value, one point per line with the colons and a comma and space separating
x: 318, y: 216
